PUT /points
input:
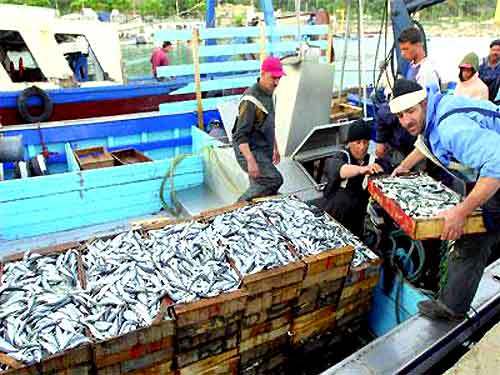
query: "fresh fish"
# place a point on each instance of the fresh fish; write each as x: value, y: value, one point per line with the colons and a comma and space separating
x: 40, y: 306
x: 419, y: 196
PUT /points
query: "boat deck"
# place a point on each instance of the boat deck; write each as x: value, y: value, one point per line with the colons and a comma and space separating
x: 417, y: 344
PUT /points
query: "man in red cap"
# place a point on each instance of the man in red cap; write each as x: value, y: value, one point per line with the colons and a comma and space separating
x: 254, y: 140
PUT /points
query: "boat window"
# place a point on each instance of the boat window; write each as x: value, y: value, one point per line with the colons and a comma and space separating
x: 81, y: 59
x: 17, y: 59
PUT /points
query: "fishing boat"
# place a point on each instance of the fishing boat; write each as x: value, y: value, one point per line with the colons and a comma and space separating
x: 56, y: 69
x: 196, y: 173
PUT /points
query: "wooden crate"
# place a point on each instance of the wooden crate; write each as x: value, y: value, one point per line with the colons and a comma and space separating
x: 311, y: 324
x: 421, y: 229
x: 223, y: 363
x: 93, y: 158
x: 366, y: 270
x: 323, y: 279
x: 129, y: 156
x: 359, y: 287
x: 137, y: 350
x: 77, y: 361
x: 275, y: 364
x: 208, y: 327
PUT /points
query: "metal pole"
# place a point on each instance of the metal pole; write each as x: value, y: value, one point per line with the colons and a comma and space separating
x: 347, y: 29
x: 361, y: 56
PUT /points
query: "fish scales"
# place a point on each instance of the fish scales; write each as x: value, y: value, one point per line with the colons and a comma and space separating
x: 41, y: 306
x: 419, y: 196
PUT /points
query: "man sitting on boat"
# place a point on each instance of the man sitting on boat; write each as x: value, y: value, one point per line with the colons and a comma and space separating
x: 160, y: 57
x: 469, y: 83
x: 254, y: 140
x: 489, y: 70
x: 453, y: 128
x: 345, y: 197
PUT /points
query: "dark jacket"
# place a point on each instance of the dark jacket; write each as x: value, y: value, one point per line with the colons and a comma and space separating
x: 490, y: 75
x: 345, y: 200
x: 253, y: 125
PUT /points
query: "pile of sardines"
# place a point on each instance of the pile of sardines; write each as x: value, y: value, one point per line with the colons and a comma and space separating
x: 113, y: 286
x: 419, y: 195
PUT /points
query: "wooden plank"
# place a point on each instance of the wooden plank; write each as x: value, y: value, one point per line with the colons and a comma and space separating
x: 9, y: 361
x: 292, y: 30
x: 364, y: 271
x: 201, y: 366
x: 229, y: 49
x: 164, y: 368
x: 136, y: 344
x: 223, y: 306
x: 364, y: 285
x: 219, y: 84
x: 187, y: 106
x: 274, y: 278
x: 210, y: 68
x: 328, y: 259
x: 229, y: 32
x: 206, y: 350
x: 263, y: 338
x: 195, y: 44
x: 265, y: 327
x: 308, y: 325
x: 274, y: 300
x: 187, y: 340
x: 274, y: 364
x: 420, y: 229
x: 331, y: 274
x: 269, y: 348
x: 45, y: 251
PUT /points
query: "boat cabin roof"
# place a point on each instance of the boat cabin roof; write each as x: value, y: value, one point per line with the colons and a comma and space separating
x: 38, y: 47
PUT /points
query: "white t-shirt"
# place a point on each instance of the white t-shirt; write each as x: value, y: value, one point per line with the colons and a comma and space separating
x: 426, y: 73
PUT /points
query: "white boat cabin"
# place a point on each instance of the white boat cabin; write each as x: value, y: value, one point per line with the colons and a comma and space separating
x: 37, y: 47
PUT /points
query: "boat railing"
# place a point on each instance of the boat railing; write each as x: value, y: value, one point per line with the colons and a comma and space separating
x: 242, y: 49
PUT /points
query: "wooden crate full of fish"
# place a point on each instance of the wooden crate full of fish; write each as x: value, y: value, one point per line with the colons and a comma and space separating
x: 415, y: 201
x: 43, y: 305
x: 319, y: 242
x: 127, y: 323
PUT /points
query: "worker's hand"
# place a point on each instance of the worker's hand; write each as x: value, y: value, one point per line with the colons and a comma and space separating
x: 381, y: 150
x: 253, y: 169
x: 276, y: 156
x: 399, y: 170
x: 454, y: 223
x: 375, y: 169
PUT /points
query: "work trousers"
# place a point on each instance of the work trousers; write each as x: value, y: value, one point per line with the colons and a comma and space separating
x: 270, y: 179
x: 466, y: 264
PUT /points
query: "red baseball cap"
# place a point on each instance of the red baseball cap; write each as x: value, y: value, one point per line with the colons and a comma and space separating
x: 273, y: 65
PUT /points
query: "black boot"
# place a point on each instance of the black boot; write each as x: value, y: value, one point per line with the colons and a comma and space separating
x: 434, y: 309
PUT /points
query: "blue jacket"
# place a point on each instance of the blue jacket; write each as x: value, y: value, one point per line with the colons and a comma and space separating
x: 491, y: 77
x: 472, y: 137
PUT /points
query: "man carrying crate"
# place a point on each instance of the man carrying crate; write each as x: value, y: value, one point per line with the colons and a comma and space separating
x: 450, y: 129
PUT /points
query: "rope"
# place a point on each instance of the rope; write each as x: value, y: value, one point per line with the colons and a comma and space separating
x: 170, y: 174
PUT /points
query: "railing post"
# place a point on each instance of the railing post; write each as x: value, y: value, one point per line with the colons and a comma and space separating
x: 262, y: 42
x: 329, y: 44
x: 197, y: 78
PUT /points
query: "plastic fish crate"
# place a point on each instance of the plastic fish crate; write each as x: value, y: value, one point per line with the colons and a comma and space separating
x: 420, y: 229
x: 78, y: 360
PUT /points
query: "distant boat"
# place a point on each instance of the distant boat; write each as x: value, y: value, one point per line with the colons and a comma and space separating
x: 76, y: 67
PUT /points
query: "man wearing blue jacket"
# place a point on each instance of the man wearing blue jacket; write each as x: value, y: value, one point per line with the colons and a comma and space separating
x: 456, y: 129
